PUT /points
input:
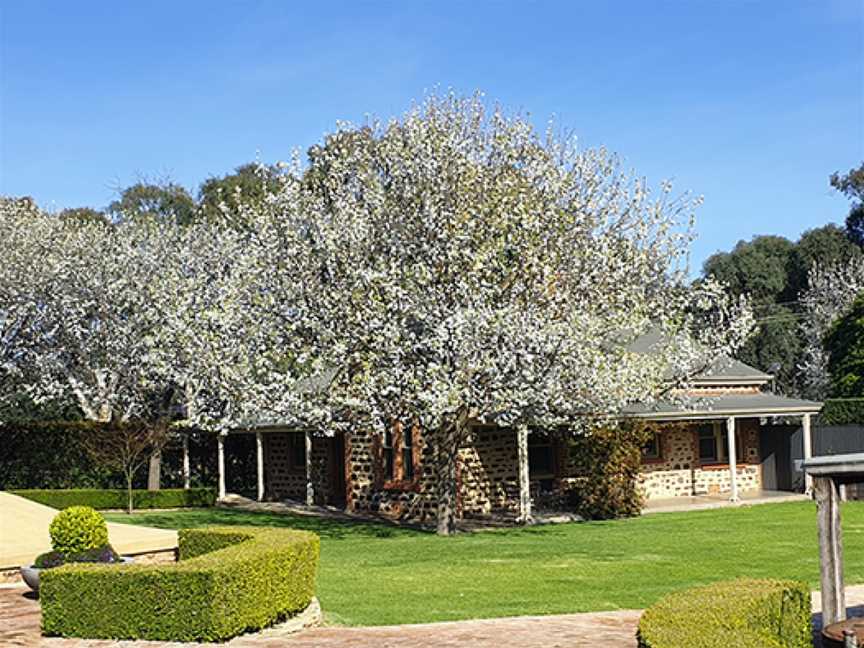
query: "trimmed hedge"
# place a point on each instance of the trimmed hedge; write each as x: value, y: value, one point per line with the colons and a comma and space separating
x: 743, y: 612
x: 101, y: 498
x: 228, y: 581
x: 842, y: 411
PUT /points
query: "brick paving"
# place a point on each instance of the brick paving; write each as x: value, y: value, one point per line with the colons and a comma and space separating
x: 19, y: 626
x: 20, y: 615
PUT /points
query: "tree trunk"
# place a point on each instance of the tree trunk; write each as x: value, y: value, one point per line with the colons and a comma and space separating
x: 129, y: 493
x: 449, y: 436
x: 154, y: 472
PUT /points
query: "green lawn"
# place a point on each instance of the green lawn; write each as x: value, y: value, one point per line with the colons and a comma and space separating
x: 373, y: 574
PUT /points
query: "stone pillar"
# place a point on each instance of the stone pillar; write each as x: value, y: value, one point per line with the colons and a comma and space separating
x: 259, y: 463
x: 310, y: 489
x: 808, y: 451
x: 220, y: 456
x: 830, y: 549
x: 187, y: 475
x: 524, y: 476
x: 733, y: 459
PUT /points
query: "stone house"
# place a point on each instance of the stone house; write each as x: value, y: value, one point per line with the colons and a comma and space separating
x: 712, y: 440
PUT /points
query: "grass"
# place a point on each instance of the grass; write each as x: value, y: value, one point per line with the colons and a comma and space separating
x: 374, y: 574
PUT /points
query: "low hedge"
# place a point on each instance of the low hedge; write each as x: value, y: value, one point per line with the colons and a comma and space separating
x: 104, y: 498
x: 228, y: 581
x: 744, y: 612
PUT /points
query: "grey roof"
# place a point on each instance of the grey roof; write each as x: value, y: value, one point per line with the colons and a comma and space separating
x: 724, y: 370
x: 758, y: 404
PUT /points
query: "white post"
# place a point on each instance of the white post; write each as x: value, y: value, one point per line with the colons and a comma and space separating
x: 310, y: 491
x: 186, y: 472
x: 524, y: 476
x: 220, y: 447
x: 733, y: 459
x: 259, y: 456
x: 808, y: 452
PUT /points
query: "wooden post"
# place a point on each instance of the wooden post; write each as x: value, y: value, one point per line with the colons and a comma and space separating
x: 259, y: 463
x: 733, y: 459
x: 830, y: 549
x: 310, y: 490
x: 524, y: 476
x: 808, y: 451
x: 220, y: 456
x: 187, y: 474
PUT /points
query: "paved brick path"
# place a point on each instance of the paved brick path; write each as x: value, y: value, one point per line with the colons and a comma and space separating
x: 19, y: 626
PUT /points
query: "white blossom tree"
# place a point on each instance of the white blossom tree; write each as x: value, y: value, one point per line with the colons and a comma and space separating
x: 453, y: 266
x: 829, y: 295
x: 86, y: 290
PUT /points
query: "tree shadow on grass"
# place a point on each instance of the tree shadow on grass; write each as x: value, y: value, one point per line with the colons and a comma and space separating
x: 331, y: 528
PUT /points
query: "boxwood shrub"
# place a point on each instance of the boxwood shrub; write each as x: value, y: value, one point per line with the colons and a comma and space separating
x: 228, y: 581
x: 107, y: 498
x: 744, y: 612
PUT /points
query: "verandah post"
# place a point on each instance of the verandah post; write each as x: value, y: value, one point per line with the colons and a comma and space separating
x: 733, y: 459
x: 220, y: 456
x: 259, y: 463
x: 808, y: 451
x: 524, y: 475
x: 310, y: 490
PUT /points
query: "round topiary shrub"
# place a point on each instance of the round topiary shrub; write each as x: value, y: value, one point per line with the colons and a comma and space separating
x: 78, y: 529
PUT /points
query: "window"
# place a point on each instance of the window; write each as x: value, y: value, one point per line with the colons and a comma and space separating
x: 387, y: 450
x: 407, y: 453
x: 652, y: 449
x: 713, y: 444
x: 398, y: 463
x: 541, y: 460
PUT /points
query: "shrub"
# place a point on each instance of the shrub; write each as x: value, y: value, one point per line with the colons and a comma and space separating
x: 842, y: 411
x: 116, y: 498
x: 228, y: 581
x: 609, y: 460
x: 103, y: 554
x: 744, y: 612
x: 78, y: 529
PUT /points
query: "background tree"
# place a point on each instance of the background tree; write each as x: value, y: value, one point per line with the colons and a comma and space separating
x: 827, y: 245
x: 84, y: 215
x: 162, y: 202
x: 830, y: 293
x: 220, y: 197
x: 760, y: 268
x: 844, y: 344
x: 124, y: 447
x: 852, y: 186
x: 453, y: 266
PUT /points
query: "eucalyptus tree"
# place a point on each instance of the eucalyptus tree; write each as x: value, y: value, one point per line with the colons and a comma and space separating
x: 454, y: 266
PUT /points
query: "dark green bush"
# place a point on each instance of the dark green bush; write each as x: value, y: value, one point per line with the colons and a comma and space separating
x: 98, y: 498
x: 608, y: 460
x: 228, y: 581
x: 102, y: 554
x: 842, y: 411
x: 744, y: 612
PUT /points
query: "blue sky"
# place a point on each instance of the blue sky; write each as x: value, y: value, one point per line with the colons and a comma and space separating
x: 751, y: 104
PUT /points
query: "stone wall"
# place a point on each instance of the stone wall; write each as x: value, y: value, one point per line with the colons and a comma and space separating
x: 282, y: 478
x: 489, y: 473
x: 285, y: 477
x: 368, y: 492
x: 679, y: 472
